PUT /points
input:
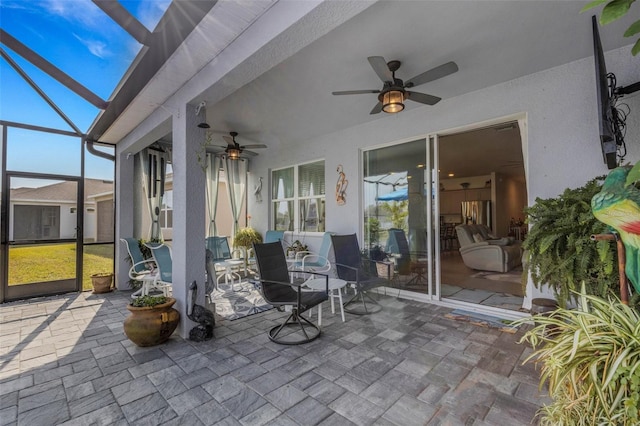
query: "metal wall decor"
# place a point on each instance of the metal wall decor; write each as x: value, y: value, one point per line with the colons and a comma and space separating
x: 341, y: 186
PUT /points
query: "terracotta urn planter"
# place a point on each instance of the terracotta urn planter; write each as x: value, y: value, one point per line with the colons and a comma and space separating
x: 151, y: 325
x: 102, y: 282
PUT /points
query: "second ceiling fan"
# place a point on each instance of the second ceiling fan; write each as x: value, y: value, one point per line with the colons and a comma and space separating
x: 393, y: 94
x: 234, y: 150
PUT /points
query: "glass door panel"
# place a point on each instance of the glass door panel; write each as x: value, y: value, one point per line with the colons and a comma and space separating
x: 43, y: 241
x: 395, y: 210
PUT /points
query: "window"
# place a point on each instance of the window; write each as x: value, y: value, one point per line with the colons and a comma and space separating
x: 298, y: 198
x: 166, y: 211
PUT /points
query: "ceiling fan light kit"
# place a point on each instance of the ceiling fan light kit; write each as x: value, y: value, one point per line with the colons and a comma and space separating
x: 233, y: 150
x: 233, y: 154
x: 393, y: 94
x: 392, y: 101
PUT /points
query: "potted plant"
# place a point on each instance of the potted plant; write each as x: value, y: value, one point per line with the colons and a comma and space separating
x: 558, y: 248
x: 102, y: 282
x: 245, y: 237
x: 296, y: 247
x: 152, y: 320
x: 590, y: 360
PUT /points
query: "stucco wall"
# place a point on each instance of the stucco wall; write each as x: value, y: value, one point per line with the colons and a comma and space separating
x: 561, y: 150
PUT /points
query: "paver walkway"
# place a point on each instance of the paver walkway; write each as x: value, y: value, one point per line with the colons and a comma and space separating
x: 66, y: 360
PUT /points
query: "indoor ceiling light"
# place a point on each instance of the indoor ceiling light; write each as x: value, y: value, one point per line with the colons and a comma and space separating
x: 392, y: 101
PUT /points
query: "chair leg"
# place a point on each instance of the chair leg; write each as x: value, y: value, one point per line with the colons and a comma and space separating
x: 361, y: 307
x: 298, y: 322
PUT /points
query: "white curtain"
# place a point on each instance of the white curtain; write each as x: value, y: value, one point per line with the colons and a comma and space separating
x: 214, y: 164
x: 236, y: 173
x: 154, y: 164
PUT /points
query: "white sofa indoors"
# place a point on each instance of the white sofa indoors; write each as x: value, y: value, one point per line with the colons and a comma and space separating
x: 482, y: 251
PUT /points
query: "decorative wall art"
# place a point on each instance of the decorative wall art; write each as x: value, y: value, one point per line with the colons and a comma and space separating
x: 341, y: 186
x: 257, y: 191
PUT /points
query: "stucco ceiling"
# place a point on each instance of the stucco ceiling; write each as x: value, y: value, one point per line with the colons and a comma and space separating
x: 291, y: 102
x: 492, y: 42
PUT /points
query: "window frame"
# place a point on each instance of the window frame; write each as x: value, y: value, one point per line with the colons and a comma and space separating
x: 296, y: 198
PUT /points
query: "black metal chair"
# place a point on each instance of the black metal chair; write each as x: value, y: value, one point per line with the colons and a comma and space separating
x: 278, y: 290
x: 351, y: 267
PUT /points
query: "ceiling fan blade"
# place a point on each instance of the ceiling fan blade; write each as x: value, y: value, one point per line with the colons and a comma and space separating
x: 433, y: 74
x: 249, y: 153
x: 354, y: 92
x: 423, y: 98
x: 215, y: 149
x: 381, y: 68
x: 256, y: 145
x: 228, y: 140
x: 377, y: 109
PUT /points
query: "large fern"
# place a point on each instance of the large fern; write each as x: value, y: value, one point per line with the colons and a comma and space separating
x: 559, y: 250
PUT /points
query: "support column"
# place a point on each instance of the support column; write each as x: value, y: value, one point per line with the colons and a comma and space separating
x: 188, y: 250
x: 124, y: 215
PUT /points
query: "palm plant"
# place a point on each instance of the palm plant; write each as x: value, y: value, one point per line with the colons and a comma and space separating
x: 591, y: 362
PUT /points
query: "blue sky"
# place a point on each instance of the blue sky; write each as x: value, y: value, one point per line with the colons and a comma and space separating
x: 77, y: 37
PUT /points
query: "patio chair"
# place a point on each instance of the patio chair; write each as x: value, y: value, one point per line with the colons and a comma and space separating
x: 398, y: 245
x: 315, y: 262
x: 273, y: 236
x: 224, y: 264
x: 278, y: 290
x: 351, y: 267
x: 163, y: 279
x: 143, y: 270
x: 408, y: 263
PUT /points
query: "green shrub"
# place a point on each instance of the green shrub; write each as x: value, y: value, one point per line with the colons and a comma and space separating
x: 559, y: 249
x: 591, y: 361
x: 144, y: 301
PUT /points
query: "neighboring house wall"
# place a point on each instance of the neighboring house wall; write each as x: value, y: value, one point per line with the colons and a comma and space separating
x: 64, y: 223
x: 105, y: 218
x: 61, y: 195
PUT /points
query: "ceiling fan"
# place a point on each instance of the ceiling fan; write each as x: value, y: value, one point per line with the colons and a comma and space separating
x: 393, y: 93
x: 234, y: 150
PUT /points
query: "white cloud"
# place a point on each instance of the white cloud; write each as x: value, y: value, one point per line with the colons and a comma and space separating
x: 83, y: 12
x: 96, y: 47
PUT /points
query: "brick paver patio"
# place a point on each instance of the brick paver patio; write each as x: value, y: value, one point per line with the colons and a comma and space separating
x: 66, y: 360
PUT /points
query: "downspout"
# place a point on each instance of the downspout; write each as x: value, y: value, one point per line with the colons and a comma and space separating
x: 92, y: 149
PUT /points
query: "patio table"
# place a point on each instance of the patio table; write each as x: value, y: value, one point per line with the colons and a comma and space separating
x: 335, y: 291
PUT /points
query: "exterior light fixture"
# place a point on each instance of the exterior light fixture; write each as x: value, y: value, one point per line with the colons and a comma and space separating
x: 392, y: 101
x: 202, y: 107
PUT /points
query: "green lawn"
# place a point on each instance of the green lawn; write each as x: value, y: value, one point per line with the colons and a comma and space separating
x: 29, y: 264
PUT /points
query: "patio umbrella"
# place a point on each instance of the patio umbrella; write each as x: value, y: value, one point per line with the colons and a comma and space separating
x: 397, y: 195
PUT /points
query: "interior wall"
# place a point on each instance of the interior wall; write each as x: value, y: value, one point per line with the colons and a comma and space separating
x: 512, y: 194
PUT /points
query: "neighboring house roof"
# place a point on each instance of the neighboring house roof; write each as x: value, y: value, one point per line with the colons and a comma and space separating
x: 62, y: 191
